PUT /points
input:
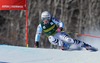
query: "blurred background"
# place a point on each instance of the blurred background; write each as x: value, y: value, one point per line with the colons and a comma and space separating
x: 79, y: 16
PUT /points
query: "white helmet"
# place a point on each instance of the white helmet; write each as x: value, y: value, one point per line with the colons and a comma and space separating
x: 45, y: 15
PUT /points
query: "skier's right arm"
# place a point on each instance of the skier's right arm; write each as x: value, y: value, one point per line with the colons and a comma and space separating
x: 38, y: 34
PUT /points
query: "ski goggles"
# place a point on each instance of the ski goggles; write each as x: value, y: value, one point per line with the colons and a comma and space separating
x: 46, y: 19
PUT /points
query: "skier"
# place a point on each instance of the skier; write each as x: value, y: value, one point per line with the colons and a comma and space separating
x: 53, y: 28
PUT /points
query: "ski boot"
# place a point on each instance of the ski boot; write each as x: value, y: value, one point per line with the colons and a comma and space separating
x: 89, y: 47
x: 65, y: 46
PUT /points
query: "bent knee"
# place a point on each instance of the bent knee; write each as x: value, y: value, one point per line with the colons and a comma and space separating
x: 70, y: 40
x: 53, y: 40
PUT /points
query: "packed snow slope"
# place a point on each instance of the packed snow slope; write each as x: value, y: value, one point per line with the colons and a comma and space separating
x: 15, y: 54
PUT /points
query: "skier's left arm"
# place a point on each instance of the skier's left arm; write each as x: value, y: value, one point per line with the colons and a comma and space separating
x: 59, y: 23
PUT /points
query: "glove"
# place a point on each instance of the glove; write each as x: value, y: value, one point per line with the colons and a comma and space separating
x: 59, y: 29
x: 36, y: 44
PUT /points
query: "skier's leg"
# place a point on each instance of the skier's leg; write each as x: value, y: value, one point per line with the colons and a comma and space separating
x: 67, y: 41
x: 84, y: 45
x: 64, y: 37
x: 53, y: 40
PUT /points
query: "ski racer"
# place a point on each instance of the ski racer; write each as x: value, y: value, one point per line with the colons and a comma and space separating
x: 53, y: 28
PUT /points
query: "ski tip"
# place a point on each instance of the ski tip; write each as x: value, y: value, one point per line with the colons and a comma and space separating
x: 94, y: 50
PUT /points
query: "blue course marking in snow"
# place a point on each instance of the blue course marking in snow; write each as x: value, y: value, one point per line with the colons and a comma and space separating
x: 3, y: 62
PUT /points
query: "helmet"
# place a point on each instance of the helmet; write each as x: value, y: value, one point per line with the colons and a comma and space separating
x: 45, y: 15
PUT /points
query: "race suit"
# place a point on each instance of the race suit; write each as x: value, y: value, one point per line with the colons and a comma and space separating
x: 55, y: 38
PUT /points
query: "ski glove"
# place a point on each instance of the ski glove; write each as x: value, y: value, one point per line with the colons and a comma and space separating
x: 36, y: 44
x: 59, y: 29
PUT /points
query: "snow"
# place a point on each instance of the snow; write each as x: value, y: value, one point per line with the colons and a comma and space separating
x: 15, y: 54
